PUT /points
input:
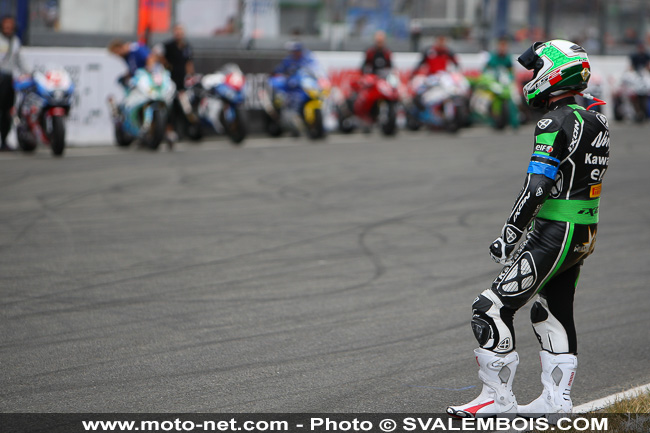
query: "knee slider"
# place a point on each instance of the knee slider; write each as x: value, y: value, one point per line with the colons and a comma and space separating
x: 489, y: 328
x: 482, y: 325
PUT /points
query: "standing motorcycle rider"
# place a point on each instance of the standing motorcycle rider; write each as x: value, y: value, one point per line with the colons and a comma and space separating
x: 299, y: 57
x: 558, y: 208
x: 281, y: 81
x: 10, y: 63
x: 435, y: 59
x: 500, y: 60
x: 177, y: 55
x: 378, y: 57
x: 135, y: 55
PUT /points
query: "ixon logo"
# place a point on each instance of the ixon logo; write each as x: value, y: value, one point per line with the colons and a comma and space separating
x: 591, y: 211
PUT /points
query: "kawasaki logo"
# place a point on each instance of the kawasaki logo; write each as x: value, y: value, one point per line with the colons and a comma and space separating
x: 601, y: 140
x: 590, y: 158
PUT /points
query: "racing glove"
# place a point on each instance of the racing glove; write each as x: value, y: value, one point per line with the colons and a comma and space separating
x: 500, y: 251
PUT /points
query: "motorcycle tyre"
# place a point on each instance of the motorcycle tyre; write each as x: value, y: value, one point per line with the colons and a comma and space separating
x: 412, y: 121
x: 346, y: 124
x: 27, y: 146
x: 500, y: 116
x: 317, y: 129
x: 194, y: 131
x: 57, y: 139
x: 156, y: 133
x: 122, y: 139
x: 389, y: 127
x: 236, y: 131
x: 273, y: 128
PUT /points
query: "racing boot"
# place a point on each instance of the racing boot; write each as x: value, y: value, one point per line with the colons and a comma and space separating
x: 558, y: 372
x: 496, y: 371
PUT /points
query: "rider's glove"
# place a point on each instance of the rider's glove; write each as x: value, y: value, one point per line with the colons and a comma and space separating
x: 500, y: 251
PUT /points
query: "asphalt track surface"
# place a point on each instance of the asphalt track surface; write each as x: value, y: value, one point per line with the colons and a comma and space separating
x: 287, y: 276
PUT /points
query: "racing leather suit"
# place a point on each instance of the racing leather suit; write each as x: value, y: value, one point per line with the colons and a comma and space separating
x: 558, y: 207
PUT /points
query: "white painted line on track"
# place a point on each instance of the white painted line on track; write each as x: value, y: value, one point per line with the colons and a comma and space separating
x: 602, y: 403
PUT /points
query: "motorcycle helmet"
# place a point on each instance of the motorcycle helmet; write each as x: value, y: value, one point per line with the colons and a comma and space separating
x: 558, y: 66
x: 294, y: 46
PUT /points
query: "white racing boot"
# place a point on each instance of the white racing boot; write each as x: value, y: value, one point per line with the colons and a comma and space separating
x: 558, y: 372
x: 496, y: 371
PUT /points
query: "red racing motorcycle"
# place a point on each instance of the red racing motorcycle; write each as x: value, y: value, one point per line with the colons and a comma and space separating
x: 373, y: 100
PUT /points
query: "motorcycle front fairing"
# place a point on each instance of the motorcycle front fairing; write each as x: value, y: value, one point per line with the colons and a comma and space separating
x: 56, y: 89
x: 149, y: 91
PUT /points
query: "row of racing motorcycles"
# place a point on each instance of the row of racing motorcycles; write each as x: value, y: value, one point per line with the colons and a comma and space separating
x: 299, y: 103
x: 295, y: 103
x: 446, y: 100
x: 212, y: 100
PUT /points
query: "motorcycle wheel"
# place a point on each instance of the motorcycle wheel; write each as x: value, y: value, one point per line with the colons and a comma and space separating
x: 452, y: 117
x: 122, y: 139
x: 156, y: 133
x: 346, y: 124
x: 389, y: 124
x: 412, y: 122
x: 236, y: 130
x: 619, y: 113
x: 57, y: 139
x: 26, y: 140
x: 273, y: 127
x: 317, y: 129
x: 500, y: 115
x: 194, y: 131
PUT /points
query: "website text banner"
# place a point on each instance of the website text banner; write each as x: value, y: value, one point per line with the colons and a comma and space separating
x: 300, y: 422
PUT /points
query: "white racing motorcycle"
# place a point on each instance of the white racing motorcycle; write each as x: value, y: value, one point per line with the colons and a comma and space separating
x: 144, y: 113
x: 43, y: 104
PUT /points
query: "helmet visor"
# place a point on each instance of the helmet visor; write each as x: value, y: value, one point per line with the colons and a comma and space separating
x: 530, y: 59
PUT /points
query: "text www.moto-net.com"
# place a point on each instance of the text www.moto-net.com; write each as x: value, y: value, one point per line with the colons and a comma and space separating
x: 409, y: 424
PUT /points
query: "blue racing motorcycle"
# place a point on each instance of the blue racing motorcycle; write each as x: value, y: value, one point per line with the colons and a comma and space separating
x: 226, y: 87
x: 44, y: 102
x: 296, y: 102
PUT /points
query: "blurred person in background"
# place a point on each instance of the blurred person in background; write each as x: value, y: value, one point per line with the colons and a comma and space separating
x: 436, y: 58
x: 378, y: 57
x: 10, y: 64
x: 299, y: 57
x: 135, y: 55
x: 281, y: 80
x: 640, y: 58
x: 500, y: 60
x: 177, y: 55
